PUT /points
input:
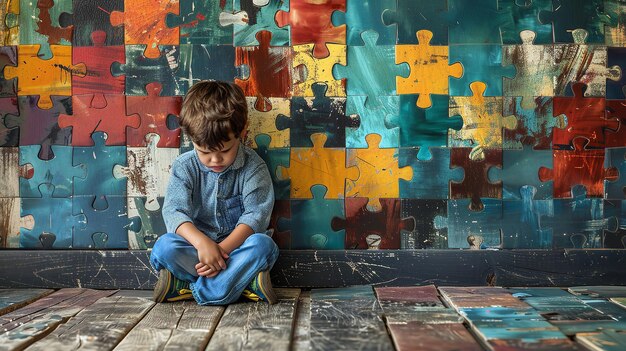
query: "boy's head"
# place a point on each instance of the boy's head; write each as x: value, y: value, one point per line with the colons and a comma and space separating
x: 213, y: 113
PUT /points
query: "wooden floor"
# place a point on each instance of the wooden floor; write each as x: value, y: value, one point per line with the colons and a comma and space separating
x: 355, y: 318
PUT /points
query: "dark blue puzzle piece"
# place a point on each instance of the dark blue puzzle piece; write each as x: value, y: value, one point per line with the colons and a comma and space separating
x: 425, y: 234
x: 105, y: 228
x: 424, y: 127
x: 615, y: 239
x: 364, y: 15
x: 199, y: 22
x: 521, y: 168
x: 57, y: 171
x: 53, y: 221
x: 371, y: 70
x: 8, y: 57
x: 148, y: 226
x: 567, y: 15
x: 93, y: 15
x: 616, y: 89
x: 616, y: 157
x: 579, y: 222
x: 430, y: 177
x: 99, y: 161
x: 274, y: 158
x: 9, y: 137
x: 522, y: 226
x: 476, y: 22
x: 204, y: 62
x: 480, y: 63
x: 140, y: 70
x: 261, y: 18
x: 41, y: 127
x: 310, y: 222
x: 373, y: 121
x: 318, y: 115
x: 412, y: 16
x: 525, y: 14
x: 463, y: 222
x: 534, y: 125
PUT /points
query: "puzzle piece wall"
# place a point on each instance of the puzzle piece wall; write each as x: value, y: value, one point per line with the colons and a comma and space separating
x: 389, y: 124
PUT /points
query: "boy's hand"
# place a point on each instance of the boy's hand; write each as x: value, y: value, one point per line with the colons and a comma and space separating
x: 212, y: 260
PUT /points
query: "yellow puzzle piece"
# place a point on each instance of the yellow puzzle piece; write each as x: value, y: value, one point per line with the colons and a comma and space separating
x: 429, y: 69
x: 44, y: 77
x: 317, y: 165
x: 482, y: 121
x: 318, y: 70
x: 265, y: 123
x: 379, y: 173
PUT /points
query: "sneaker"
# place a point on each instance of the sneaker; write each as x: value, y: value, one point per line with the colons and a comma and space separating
x: 261, y: 289
x: 169, y: 288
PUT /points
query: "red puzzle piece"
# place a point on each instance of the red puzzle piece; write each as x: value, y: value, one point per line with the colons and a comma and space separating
x: 89, y: 117
x: 98, y: 60
x: 475, y: 183
x: 270, y: 71
x: 578, y: 167
x: 310, y: 22
x: 154, y: 110
x: 585, y: 118
x: 282, y: 208
x: 616, y: 109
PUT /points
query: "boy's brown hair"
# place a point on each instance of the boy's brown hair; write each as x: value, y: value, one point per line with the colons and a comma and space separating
x: 211, y: 111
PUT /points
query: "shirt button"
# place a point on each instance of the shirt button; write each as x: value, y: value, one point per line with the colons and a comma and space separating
x: 220, y: 181
x: 219, y: 214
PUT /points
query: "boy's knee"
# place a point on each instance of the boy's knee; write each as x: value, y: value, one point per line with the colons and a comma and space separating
x: 262, y: 242
x: 164, y: 246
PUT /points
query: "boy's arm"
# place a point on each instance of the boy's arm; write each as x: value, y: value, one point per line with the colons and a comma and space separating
x: 210, y: 255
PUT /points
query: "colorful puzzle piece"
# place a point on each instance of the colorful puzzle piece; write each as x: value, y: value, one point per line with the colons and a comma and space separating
x: 580, y: 166
x: 43, y: 77
x: 97, y: 60
x: 310, y: 222
x: 318, y: 115
x: 39, y: 25
x: 535, y: 65
x: 475, y: 184
x: 462, y: 222
x: 9, y: 136
x: 429, y: 69
x: 264, y: 122
x: 520, y: 168
x: 372, y: 230
x: 616, y: 109
x: 534, y: 125
x: 480, y: 63
x: 282, y: 210
x: 616, y: 89
x: 425, y: 128
x: 364, y: 15
x: 260, y: 17
x: 144, y: 23
x: 522, y: 226
x: 53, y: 229
x: 425, y: 234
x: 476, y: 22
x: 482, y: 121
x: 615, y: 239
x: 202, y: 62
x: 310, y: 22
x: 572, y: 14
x: 154, y: 111
x: 146, y: 222
x: 88, y: 117
x: 431, y: 177
x: 140, y: 70
x: 9, y: 29
x: 616, y: 188
x: 104, y: 226
x: 379, y: 173
x: 585, y: 118
x: 615, y: 36
x: 373, y: 121
x: 525, y: 17
x: 265, y: 61
x: 318, y: 165
x: 584, y: 64
x: 199, y: 22
x: 8, y: 57
x: 371, y: 70
x: 90, y: 16
x: 58, y: 171
x: 413, y: 16
x: 9, y: 172
x: 274, y: 158
x: 318, y: 70
x: 40, y: 127
x: 12, y: 222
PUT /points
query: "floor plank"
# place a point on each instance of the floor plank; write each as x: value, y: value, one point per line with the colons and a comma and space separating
x: 347, y: 319
x: 608, y: 340
x: 599, y: 291
x: 477, y: 297
x: 12, y: 299
x: 419, y: 336
x: 28, y: 324
x: 302, y: 330
x: 102, y: 325
x: 257, y: 325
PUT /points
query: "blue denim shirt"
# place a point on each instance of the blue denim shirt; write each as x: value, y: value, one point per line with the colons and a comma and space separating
x: 217, y: 202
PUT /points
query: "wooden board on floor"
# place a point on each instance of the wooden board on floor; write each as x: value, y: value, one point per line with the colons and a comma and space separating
x: 257, y: 325
x: 418, y: 296
x: 607, y: 340
x: 101, y: 325
x: 12, y: 299
x: 302, y: 329
x: 599, y: 291
x: 418, y: 336
x: 541, y: 345
x: 347, y: 319
x: 30, y: 323
x: 477, y: 297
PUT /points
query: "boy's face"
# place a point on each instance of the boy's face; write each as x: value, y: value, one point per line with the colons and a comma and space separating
x: 219, y: 160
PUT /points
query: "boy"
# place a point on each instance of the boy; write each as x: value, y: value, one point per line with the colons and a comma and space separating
x: 217, y: 207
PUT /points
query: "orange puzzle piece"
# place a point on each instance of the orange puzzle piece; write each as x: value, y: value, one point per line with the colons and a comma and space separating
x: 144, y: 23
x: 379, y: 173
x: 482, y: 121
x: 429, y: 69
x: 317, y: 165
x: 44, y: 77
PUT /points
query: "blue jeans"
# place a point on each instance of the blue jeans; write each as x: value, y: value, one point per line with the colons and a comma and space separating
x: 174, y: 253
